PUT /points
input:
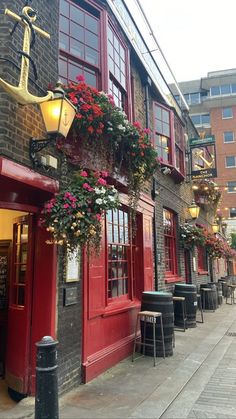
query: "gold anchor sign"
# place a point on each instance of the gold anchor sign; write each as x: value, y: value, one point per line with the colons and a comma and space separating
x: 20, y: 93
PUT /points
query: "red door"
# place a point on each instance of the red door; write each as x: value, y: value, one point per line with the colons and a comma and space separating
x: 19, y: 312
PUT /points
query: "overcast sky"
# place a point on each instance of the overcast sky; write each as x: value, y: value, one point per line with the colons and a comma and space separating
x: 196, y: 36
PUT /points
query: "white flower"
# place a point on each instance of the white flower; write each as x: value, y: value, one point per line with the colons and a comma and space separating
x: 111, y: 198
x: 121, y: 127
x: 97, y: 191
x: 98, y: 201
x: 102, y: 190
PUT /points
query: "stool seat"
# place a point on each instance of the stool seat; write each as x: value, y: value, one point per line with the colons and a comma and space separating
x: 178, y: 298
x: 206, y: 289
x: 149, y: 317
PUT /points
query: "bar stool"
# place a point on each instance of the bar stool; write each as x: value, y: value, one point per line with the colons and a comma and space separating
x: 181, y: 300
x: 199, y: 306
x: 208, y: 291
x: 149, y: 317
x: 232, y: 288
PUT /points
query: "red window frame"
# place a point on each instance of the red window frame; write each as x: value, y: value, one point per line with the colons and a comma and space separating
x: 170, y: 236
x: 118, y: 69
x: 162, y: 140
x: 120, y: 255
x: 202, y: 260
x: 179, y: 146
x: 82, y: 33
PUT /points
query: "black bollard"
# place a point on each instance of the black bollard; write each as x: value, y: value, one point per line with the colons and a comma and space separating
x: 46, y: 397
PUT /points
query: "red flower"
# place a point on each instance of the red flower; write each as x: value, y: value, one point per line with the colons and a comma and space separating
x: 80, y: 77
x: 84, y: 173
x: 101, y: 181
x: 91, y: 129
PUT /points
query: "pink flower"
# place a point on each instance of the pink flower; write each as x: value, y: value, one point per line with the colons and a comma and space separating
x: 137, y: 124
x: 147, y: 130
x: 88, y: 187
x: 101, y: 181
x: 66, y: 206
x: 98, y: 217
x: 84, y: 174
x: 104, y: 173
x: 80, y: 77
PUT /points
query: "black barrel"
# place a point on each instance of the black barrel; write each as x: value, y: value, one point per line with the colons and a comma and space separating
x: 189, y: 291
x: 213, y: 286
x: 219, y: 292
x: 162, y: 302
x: 209, y: 298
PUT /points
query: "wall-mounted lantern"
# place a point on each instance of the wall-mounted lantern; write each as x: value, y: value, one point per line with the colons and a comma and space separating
x: 194, y: 210
x: 58, y: 115
x: 215, y: 227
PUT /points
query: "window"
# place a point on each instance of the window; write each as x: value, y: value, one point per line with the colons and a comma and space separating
x: 230, y: 161
x: 232, y: 212
x: 79, y: 43
x: 228, y: 137
x: 119, y: 253
x: 224, y: 89
x: 227, y: 113
x: 117, y: 58
x: 162, y: 132
x: 202, y: 259
x: 231, y: 187
x: 215, y: 91
x: 179, y: 145
x: 169, y: 224
x: 203, y: 119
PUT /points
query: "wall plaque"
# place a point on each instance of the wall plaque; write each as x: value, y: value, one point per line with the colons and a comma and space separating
x: 70, y: 296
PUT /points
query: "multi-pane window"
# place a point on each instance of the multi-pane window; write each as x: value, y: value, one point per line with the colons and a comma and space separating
x: 230, y: 161
x: 162, y: 132
x: 79, y: 42
x: 201, y: 119
x: 193, y: 98
x: 119, y: 253
x: 179, y: 145
x: 224, y: 89
x: 231, y: 187
x: 169, y: 224
x: 227, y: 113
x: 228, y: 137
x: 117, y: 68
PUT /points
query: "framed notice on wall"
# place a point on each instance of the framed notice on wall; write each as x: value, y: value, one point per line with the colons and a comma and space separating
x: 73, y: 266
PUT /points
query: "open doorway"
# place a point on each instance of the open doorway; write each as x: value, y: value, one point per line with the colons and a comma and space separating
x: 7, y: 219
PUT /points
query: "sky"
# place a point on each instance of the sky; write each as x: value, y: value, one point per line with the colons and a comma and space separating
x: 196, y: 36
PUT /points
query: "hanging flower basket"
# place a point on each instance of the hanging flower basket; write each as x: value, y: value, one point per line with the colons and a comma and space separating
x: 102, y: 126
x: 74, y: 216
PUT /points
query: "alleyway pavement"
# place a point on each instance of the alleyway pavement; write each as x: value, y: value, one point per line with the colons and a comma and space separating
x: 198, y: 381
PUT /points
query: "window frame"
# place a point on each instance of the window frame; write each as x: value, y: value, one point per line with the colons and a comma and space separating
x: 230, y: 167
x: 228, y: 142
x: 171, y: 275
x: 234, y: 187
x: 156, y: 132
x: 227, y: 117
x: 201, y: 124
x: 234, y: 211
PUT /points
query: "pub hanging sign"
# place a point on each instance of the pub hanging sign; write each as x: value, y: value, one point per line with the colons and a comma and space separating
x: 203, y: 158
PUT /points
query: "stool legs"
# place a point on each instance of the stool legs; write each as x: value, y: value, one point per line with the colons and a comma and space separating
x: 162, y: 338
x: 154, y: 343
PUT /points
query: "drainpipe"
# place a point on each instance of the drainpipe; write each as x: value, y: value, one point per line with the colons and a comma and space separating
x: 147, y: 115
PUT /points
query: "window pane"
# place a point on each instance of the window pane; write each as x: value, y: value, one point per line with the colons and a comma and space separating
x: 233, y: 88
x: 64, y: 7
x: 232, y: 187
x: 76, y: 48
x: 91, y: 56
x: 64, y: 41
x: 232, y: 212
x: 228, y: 137
x: 62, y: 68
x: 196, y: 119
x: 77, y: 15
x: 77, y: 31
x: 230, y: 161
x: 64, y: 24
x: 227, y: 113
x: 91, y: 39
x: 205, y: 119
x: 91, y: 23
x: 194, y: 98
x: 215, y: 91
x: 225, y: 89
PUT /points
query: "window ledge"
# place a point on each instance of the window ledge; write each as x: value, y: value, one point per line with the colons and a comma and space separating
x: 201, y: 272
x: 121, y: 307
x: 170, y: 279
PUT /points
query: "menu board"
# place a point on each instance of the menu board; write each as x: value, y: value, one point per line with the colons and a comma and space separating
x: 3, y: 281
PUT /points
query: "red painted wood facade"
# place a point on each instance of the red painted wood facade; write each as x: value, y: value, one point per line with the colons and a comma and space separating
x: 108, y: 328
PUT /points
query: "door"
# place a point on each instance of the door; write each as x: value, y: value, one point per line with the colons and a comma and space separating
x: 5, y: 246
x: 19, y: 311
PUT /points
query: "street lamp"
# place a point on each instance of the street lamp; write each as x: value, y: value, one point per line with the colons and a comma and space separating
x: 215, y: 227
x: 194, y: 210
x: 58, y: 115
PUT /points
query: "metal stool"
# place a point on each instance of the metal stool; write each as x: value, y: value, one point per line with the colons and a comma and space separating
x: 231, y: 294
x: 199, y: 306
x: 208, y: 291
x: 182, y: 301
x: 149, y: 317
